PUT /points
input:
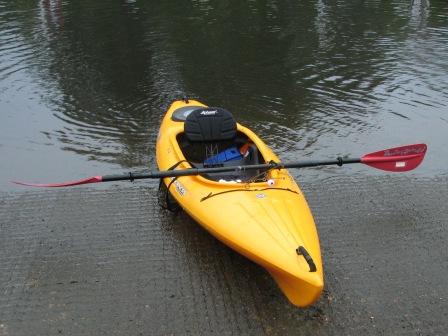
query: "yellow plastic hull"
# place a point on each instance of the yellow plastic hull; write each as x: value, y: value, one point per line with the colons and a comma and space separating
x: 264, y: 223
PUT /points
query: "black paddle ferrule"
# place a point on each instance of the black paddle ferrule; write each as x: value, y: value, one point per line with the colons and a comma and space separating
x: 340, y: 162
x: 302, y: 251
x: 131, y: 177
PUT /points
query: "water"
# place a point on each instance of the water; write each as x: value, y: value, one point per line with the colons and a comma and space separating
x: 84, y: 84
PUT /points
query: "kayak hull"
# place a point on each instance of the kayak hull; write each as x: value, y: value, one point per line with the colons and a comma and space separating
x: 264, y: 222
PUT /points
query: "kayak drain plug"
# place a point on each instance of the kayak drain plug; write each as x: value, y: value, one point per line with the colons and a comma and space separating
x: 302, y: 251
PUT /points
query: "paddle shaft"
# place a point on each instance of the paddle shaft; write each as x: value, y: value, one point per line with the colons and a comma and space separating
x: 397, y: 159
x: 199, y: 171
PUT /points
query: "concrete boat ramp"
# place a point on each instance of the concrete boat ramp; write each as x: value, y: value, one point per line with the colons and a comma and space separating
x: 109, y: 261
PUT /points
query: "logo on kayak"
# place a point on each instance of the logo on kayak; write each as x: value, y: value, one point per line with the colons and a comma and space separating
x: 180, y: 188
x: 210, y: 112
x: 260, y: 195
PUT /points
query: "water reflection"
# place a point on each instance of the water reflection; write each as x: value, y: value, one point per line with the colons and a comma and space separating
x: 306, y: 75
x: 107, y: 80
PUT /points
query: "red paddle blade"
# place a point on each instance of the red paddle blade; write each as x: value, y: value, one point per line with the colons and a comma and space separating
x: 398, y: 159
x: 93, y: 179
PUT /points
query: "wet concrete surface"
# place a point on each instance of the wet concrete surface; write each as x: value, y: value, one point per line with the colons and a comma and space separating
x: 88, y: 261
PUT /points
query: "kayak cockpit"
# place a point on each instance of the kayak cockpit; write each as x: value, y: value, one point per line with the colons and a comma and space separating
x: 238, y: 152
x: 211, y: 139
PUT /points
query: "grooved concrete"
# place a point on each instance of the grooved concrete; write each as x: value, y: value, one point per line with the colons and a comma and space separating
x: 109, y: 262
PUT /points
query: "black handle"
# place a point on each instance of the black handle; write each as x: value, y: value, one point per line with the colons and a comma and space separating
x: 302, y: 251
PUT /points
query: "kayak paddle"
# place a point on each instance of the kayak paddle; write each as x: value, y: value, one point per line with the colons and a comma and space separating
x: 398, y: 159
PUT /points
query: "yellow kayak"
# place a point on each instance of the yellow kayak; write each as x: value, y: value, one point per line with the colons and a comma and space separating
x: 262, y: 215
x: 231, y: 183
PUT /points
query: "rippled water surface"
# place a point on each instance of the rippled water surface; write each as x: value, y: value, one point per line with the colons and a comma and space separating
x: 84, y: 84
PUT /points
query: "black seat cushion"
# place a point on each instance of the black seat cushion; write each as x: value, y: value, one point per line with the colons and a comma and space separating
x: 210, y: 124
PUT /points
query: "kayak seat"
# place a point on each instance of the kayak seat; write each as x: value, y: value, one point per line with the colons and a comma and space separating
x: 211, y: 131
x: 210, y: 124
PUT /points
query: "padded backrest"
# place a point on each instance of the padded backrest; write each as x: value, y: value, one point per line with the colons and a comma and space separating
x: 210, y: 124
